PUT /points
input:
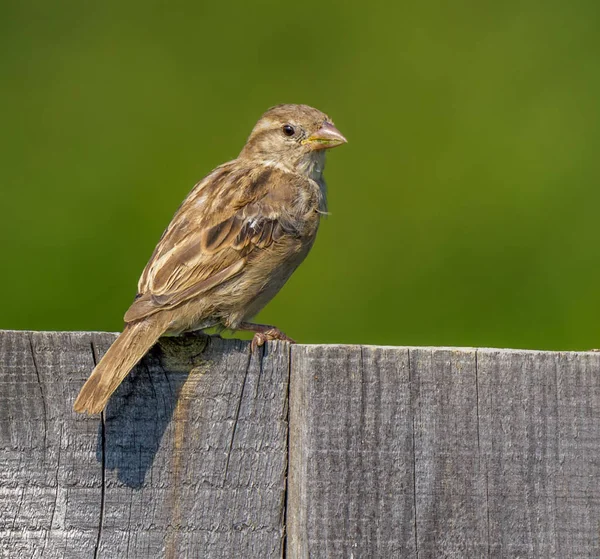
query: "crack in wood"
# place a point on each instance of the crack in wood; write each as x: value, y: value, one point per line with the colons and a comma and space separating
x: 414, y: 454
x: 45, y: 443
x: 482, y: 459
x: 102, y: 466
x: 237, y: 416
x: 286, y: 417
x: 41, y: 387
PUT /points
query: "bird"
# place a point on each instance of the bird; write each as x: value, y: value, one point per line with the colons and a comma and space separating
x: 230, y: 247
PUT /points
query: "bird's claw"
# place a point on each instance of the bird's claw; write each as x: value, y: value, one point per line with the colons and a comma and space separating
x: 260, y: 338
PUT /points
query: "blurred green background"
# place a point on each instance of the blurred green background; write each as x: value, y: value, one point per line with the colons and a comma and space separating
x: 465, y: 208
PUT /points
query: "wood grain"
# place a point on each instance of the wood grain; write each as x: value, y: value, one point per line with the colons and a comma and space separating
x: 188, y: 461
x: 351, y: 468
x: 443, y: 452
x: 390, y: 452
x: 540, y: 419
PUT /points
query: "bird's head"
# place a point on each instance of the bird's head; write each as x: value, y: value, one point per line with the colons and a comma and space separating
x: 293, y: 136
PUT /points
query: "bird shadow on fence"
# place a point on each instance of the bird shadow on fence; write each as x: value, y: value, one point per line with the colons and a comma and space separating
x: 142, y: 408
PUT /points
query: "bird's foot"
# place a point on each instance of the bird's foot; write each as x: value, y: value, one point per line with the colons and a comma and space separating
x: 263, y: 333
x: 260, y: 338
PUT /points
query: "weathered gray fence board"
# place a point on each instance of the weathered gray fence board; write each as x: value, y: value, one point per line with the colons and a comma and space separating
x: 393, y: 452
x: 504, y: 447
x: 50, y: 482
x: 450, y: 490
x: 189, y: 463
x: 351, y: 482
x: 540, y: 432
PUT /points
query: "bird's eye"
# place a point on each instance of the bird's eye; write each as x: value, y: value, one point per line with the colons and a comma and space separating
x: 288, y: 130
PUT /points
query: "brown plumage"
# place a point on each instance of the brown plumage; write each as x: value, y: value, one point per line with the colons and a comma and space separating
x: 231, y: 246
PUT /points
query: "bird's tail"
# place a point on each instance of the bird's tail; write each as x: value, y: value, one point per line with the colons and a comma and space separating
x: 131, y: 345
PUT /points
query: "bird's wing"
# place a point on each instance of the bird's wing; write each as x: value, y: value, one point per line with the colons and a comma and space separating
x: 226, y: 217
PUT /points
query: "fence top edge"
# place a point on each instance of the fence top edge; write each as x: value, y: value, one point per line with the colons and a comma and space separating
x: 339, y: 346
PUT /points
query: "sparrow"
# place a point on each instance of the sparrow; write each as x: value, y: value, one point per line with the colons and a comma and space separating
x: 230, y: 247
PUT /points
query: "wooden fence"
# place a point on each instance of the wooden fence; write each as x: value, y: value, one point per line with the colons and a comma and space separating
x: 299, y: 452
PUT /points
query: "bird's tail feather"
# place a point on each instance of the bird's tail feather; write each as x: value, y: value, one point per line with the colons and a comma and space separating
x: 131, y: 345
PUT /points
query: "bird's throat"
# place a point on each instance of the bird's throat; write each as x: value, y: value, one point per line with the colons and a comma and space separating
x: 312, y: 165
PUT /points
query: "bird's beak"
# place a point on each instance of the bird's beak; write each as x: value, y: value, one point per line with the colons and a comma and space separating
x: 328, y: 136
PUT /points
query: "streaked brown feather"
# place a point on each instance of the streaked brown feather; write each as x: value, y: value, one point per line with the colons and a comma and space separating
x: 217, y: 235
x: 197, y: 253
x: 148, y: 303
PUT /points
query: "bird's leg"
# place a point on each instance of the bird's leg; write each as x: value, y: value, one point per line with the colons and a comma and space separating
x: 263, y: 333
